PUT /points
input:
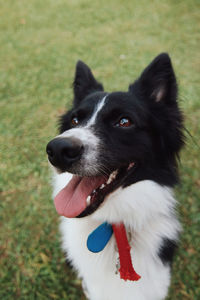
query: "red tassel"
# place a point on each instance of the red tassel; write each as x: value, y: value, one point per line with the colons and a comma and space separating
x: 126, y: 270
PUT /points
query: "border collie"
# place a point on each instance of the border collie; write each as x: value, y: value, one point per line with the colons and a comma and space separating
x: 115, y: 161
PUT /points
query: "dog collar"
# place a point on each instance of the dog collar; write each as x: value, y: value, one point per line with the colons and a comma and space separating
x: 99, y: 238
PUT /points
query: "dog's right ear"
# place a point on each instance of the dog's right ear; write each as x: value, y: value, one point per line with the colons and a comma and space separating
x: 84, y: 82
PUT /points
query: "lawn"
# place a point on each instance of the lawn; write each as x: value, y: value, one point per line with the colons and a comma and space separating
x: 40, y: 44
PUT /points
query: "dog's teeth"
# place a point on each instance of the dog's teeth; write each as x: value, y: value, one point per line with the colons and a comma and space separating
x: 109, y: 180
x: 102, y: 186
x: 88, y: 200
x: 130, y: 165
x: 112, y: 176
x: 115, y: 173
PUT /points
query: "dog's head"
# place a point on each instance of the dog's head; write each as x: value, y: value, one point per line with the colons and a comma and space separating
x: 115, y: 139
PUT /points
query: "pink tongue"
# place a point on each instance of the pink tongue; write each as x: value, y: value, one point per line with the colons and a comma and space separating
x: 71, y: 200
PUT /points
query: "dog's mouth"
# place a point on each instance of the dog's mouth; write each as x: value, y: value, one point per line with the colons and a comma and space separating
x: 83, y: 195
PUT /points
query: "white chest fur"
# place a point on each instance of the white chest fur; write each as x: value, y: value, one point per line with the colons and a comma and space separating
x: 147, y: 210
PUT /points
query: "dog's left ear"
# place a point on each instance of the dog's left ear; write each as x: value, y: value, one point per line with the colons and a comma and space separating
x: 158, y: 81
x: 84, y: 82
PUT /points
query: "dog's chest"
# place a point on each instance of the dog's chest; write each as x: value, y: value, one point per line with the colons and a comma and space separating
x: 75, y: 234
x: 98, y: 270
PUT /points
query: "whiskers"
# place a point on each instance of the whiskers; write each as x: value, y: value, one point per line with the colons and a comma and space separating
x: 105, y: 172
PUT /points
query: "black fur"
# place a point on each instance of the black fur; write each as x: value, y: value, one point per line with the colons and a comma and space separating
x: 167, y: 250
x: 155, y: 135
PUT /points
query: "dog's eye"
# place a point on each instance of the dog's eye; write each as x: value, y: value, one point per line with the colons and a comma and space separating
x: 74, y: 121
x: 124, y: 122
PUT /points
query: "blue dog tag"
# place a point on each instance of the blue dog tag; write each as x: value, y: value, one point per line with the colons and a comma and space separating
x: 98, y: 239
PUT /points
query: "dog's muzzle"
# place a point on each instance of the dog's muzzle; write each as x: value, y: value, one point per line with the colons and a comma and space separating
x: 63, y: 152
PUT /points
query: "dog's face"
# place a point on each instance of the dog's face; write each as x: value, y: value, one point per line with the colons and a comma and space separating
x: 105, y: 132
x: 115, y: 139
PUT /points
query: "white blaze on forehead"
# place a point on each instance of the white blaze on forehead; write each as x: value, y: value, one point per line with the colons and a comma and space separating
x: 85, y: 133
x: 99, y: 106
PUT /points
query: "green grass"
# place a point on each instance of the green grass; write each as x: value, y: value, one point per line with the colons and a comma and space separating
x: 40, y: 44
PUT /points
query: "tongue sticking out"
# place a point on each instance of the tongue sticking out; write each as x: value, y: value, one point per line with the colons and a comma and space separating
x: 71, y: 200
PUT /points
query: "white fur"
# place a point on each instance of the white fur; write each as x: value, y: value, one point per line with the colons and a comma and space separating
x: 97, y: 110
x: 147, y: 210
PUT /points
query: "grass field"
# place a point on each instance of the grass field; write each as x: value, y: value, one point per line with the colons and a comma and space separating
x: 40, y: 44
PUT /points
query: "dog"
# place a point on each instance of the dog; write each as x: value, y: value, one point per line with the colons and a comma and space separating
x: 115, y: 160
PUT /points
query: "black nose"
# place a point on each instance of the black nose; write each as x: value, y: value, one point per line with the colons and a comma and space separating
x: 63, y: 152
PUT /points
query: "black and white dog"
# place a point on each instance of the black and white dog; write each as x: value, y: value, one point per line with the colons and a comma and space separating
x: 115, y: 161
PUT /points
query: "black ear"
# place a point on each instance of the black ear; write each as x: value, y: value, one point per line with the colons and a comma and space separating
x: 158, y: 81
x: 84, y: 82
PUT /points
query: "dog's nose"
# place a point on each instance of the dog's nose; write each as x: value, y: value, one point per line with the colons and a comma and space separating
x: 62, y: 152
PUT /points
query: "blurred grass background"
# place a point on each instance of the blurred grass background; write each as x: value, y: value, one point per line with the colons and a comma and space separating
x: 40, y: 42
